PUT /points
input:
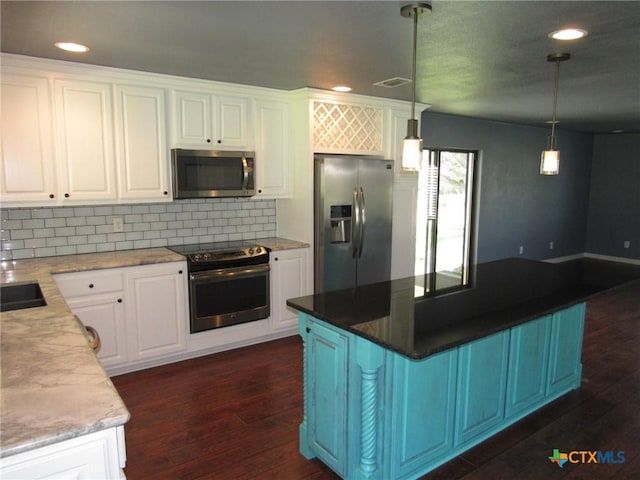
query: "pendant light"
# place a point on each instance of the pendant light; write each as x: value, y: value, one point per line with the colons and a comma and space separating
x: 412, y: 143
x: 550, y: 159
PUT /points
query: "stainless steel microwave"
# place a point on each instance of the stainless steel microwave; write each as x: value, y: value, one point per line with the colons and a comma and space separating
x: 212, y: 173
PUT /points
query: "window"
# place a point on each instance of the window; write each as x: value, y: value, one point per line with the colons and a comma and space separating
x: 444, y: 219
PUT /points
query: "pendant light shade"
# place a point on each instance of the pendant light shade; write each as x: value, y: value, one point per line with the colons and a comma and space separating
x: 550, y: 162
x: 412, y: 143
x: 550, y: 158
x: 411, y: 147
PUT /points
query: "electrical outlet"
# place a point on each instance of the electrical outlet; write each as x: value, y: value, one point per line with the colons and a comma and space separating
x: 551, y: 245
x: 627, y: 244
x: 118, y: 224
x: 521, y: 249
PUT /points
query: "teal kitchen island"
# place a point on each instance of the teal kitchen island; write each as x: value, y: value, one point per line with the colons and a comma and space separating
x: 397, y: 384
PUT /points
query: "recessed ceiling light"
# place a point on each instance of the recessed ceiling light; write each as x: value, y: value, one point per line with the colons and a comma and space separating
x: 341, y: 88
x: 72, y: 47
x: 568, y: 34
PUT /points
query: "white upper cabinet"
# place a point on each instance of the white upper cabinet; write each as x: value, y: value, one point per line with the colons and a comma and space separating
x: 88, y: 138
x: 27, y: 171
x: 232, y: 126
x: 84, y: 122
x: 204, y: 120
x: 193, y: 119
x: 273, y: 170
x: 142, y: 150
x: 76, y: 134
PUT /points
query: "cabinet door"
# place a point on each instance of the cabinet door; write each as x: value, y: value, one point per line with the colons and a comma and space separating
x: 106, y: 314
x: 273, y: 171
x: 231, y: 126
x: 422, y: 424
x: 528, y: 359
x: 482, y: 377
x: 193, y: 118
x: 565, y: 353
x: 288, y: 280
x: 156, y: 310
x: 92, y: 456
x: 326, y: 395
x: 27, y: 161
x: 85, y: 155
x: 95, y: 455
x: 142, y: 147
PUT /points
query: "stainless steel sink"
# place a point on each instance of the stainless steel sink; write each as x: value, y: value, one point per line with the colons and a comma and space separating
x: 17, y: 296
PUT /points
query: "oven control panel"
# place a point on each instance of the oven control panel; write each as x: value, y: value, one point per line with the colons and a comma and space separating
x: 228, y: 258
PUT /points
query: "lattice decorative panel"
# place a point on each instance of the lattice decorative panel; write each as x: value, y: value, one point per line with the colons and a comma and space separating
x: 345, y: 128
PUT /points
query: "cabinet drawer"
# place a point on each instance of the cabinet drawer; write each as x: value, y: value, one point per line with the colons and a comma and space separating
x: 89, y: 283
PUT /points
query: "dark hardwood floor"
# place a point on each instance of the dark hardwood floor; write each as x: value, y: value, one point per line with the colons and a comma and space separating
x: 235, y: 415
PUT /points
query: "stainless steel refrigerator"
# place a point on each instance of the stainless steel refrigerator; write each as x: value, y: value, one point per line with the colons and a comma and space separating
x: 352, y: 226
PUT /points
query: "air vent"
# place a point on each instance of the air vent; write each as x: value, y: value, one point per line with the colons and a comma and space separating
x: 392, y: 82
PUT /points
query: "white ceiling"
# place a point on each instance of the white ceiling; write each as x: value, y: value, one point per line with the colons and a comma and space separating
x: 484, y: 59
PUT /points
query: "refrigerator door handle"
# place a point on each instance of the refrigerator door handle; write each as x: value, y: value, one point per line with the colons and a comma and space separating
x: 363, y: 222
x: 355, y: 225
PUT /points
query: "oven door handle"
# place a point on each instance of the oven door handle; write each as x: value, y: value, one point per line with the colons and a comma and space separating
x: 222, y: 274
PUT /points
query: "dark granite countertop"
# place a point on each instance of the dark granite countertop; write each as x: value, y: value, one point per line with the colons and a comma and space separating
x: 502, y: 294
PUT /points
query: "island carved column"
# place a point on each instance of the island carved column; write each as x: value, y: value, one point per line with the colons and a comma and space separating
x: 370, y: 359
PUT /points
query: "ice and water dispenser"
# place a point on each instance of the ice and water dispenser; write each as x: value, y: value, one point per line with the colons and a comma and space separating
x: 340, y: 223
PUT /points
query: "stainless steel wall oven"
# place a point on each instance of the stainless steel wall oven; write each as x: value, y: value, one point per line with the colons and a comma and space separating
x: 228, y: 284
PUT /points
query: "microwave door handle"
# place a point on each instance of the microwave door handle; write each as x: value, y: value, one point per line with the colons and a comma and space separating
x: 245, y: 174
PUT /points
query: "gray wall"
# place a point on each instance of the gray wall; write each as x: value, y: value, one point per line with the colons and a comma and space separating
x: 614, y: 202
x: 517, y: 205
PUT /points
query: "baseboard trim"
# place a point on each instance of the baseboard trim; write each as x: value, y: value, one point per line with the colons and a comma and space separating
x: 610, y: 258
x: 596, y: 256
x: 568, y: 258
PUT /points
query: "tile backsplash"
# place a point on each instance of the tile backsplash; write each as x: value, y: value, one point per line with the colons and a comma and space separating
x: 46, y: 232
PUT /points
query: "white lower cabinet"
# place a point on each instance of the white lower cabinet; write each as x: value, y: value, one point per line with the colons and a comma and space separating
x: 157, y: 300
x: 140, y: 313
x: 99, y: 455
x: 288, y: 280
x: 106, y: 314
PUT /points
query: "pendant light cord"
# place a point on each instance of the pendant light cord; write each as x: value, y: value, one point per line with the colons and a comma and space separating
x: 552, y: 140
x: 413, y: 73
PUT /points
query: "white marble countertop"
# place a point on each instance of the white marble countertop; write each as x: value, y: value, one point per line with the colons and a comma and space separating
x: 278, y: 243
x: 52, y: 386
